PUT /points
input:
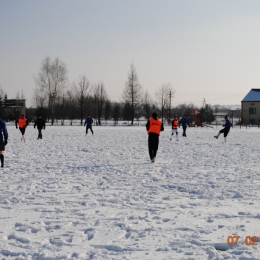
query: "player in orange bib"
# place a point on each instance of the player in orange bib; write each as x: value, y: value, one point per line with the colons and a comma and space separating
x: 22, y: 123
x: 175, y: 124
x: 154, y: 127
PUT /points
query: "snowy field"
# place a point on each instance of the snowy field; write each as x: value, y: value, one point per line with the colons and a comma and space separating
x: 72, y: 196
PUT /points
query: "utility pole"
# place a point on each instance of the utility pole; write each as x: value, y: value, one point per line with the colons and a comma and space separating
x: 170, y: 107
x: 232, y: 117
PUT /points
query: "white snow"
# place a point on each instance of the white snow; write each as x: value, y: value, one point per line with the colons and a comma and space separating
x: 72, y: 196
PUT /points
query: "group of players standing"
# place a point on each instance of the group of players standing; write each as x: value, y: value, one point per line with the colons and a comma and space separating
x: 154, y: 127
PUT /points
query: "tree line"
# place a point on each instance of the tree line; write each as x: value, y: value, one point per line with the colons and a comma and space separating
x: 56, y: 99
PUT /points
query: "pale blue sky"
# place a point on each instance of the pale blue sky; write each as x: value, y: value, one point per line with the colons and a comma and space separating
x: 204, y: 49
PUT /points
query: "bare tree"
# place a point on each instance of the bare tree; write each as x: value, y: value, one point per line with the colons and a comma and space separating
x: 147, y: 104
x: 162, y: 96
x: 133, y: 91
x: 100, y: 97
x: 40, y: 102
x: 70, y: 106
x: 116, y: 113
x: 126, y: 111
x: 52, y: 81
x: 81, y: 90
x: 108, y: 109
x: 38, y: 99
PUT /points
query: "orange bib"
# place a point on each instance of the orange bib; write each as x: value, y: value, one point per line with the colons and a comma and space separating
x: 22, y: 122
x: 155, y: 126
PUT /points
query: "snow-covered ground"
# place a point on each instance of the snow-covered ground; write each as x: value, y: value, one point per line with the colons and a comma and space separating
x: 72, y: 196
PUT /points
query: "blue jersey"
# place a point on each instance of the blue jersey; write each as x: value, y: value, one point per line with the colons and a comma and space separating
x: 227, y: 125
x: 184, y: 122
x: 3, y: 131
x: 88, y: 122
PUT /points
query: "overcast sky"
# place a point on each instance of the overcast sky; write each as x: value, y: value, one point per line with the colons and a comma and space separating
x: 204, y: 49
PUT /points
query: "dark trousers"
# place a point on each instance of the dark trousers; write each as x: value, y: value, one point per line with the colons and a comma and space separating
x: 40, y: 133
x: 184, y: 130
x: 22, y: 130
x: 153, y: 143
x: 2, y: 160
x: 224, y: 131
x: 89, y: 128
